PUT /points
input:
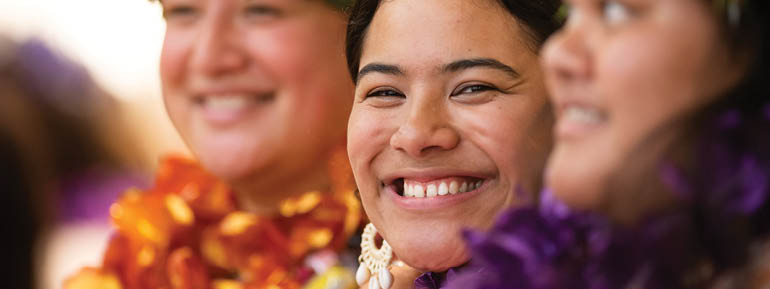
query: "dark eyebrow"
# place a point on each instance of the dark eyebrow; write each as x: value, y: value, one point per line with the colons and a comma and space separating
x: 480, y: 62
x: 379, y: 67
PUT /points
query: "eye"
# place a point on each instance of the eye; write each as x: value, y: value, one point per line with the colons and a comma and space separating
x: 385, y: 93
x: 262, y: 11
x: 616, y: 13
x: 474, y: 88
x: 474, y: 93
x: 385, y: 97
x: 176, y: 11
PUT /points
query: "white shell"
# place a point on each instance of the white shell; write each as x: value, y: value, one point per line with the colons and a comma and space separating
x: 362, y: 274
x: 386, y: 279
x: 373, y: 284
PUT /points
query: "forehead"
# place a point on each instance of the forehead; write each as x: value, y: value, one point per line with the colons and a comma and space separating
x: 433, y: 32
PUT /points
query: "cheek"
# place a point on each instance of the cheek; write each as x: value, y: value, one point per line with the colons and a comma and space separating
x: 368, y: 135
x: 649, y: 78
x: 173, y: 72
x: 515, y: 135
x: 300, y: 54
x: 173, y: 61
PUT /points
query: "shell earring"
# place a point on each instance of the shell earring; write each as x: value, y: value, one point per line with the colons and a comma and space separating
x: 374, y: 262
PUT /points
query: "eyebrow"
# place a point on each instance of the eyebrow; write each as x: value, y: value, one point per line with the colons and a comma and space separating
x: 464, y: 64
x: 380, y: 68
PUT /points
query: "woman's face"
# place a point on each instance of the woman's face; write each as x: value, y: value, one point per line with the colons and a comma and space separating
x: 450, y: 117
x: 257, y: 89
x: 619, y: 70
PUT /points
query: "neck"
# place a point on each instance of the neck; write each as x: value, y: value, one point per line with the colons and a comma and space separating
x: 263, y: 195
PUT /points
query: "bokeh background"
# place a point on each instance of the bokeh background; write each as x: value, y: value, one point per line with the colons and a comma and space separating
x: 80, y: 75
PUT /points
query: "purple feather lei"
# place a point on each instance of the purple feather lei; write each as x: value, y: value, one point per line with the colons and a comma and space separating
x: 724, y: 210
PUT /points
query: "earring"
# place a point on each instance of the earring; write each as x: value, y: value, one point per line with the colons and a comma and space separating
x: 374, y: 262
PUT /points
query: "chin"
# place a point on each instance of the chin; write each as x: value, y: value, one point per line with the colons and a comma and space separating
x: 436, y: 258
x: 228, y: 166
x: 575, y: 187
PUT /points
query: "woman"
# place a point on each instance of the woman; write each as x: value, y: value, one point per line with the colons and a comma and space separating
x: 450, y: 125
x: 259, y: 92
x: 662, y: 156
x: 59, y: 158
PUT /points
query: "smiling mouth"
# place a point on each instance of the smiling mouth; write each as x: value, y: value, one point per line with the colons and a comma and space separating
x: 231, y: 108
x: 579, y: 120
x: 233, y: 101
x: 437, y: 188
x: 584, y: 115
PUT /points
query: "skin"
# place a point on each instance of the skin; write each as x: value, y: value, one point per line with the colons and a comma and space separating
x: 282, y: 61
x: 637, y: 65
x: 428, y: 123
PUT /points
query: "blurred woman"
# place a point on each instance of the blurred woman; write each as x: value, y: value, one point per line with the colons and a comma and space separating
x: 259, y: 92
x: 661, y: 166
x: 62, y: 160
x: 450, y: 125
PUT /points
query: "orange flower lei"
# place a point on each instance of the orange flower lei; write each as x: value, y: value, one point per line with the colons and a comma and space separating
x: 187, y: 233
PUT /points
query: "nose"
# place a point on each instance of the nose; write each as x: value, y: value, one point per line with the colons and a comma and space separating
x: 567, y: 55
x: 219, y: 48
x: 425, y: 130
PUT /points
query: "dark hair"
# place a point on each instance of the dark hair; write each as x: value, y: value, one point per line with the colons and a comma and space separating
x: 537, y: 16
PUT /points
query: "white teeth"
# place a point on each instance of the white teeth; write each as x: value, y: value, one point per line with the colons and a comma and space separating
x: 453, y: 188
x: 586, y: 115
x: 431, y: 191
x: 443, y: 189
x: 408, y: 190
x: 226, y: 103
x: 438, y: 188
x: 419, y: 191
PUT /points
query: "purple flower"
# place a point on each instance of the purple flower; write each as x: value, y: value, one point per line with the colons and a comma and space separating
x: 433, y: 280
x: 721, y: 210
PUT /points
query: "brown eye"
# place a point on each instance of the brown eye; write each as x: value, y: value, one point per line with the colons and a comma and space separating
x: 476, y: 88
x: 262, y: 11
x: 179, y: 12
x: 385, y: 93
x: 385, y: 97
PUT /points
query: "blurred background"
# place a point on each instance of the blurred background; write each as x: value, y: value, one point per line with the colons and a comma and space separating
x: 81, y: 120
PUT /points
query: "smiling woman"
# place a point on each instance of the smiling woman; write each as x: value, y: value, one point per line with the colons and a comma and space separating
x: 259, y: 92
x: 450, y: 122
x: 660, y: 174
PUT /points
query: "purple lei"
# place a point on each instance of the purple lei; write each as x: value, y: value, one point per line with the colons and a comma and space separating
x: 433, y: 280
x: 723, y: 212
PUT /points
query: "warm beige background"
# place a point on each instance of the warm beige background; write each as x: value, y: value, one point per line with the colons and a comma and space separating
x: 119, y: 41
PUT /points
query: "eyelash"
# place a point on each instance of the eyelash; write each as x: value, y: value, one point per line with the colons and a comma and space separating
x: 262, y: 10
x: 252, y: 10
x: 475, y: 88
x: 379, y: 93
x: 179, y: 11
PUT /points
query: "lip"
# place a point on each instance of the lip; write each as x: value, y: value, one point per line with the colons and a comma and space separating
x: 571, y: 130
x: 254, y: 101
x: 433, y: 203
x: 431, y: 174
